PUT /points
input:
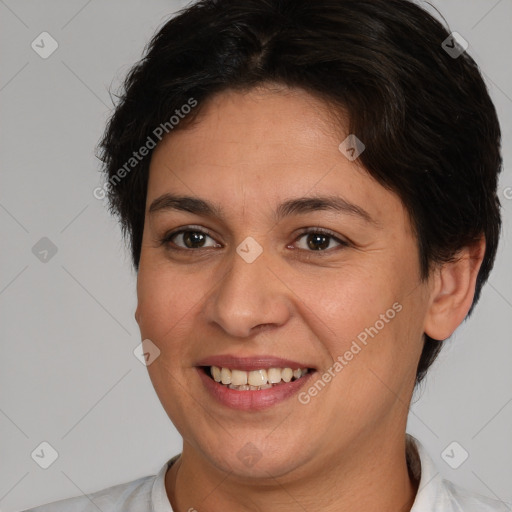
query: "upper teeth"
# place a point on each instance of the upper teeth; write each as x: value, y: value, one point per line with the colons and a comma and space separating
x: 255, y: 377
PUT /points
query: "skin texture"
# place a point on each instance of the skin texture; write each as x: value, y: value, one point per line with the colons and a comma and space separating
x: 345, y: 449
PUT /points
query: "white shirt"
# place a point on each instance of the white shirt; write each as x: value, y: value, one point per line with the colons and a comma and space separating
x: 147, y: 494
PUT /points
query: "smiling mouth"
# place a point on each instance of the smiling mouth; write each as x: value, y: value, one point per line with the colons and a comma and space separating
x: 254, y: 380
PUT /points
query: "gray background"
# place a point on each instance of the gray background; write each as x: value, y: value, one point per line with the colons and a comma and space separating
x: 68, y: 375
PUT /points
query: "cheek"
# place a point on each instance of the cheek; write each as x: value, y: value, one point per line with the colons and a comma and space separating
x: 350, y: 301
x: 164, y: 299
x: 371, y: 319
x: 164, y: 306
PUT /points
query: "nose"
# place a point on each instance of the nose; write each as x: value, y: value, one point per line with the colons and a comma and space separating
x: 249, y: 296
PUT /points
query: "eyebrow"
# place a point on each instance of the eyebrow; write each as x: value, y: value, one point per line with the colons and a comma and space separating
x: 295, y: 206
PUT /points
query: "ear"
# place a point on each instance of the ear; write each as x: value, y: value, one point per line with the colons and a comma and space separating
x: 137, y: 315
x: 452, y: 291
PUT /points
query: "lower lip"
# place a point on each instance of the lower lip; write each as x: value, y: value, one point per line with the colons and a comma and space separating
x: 255, y: 400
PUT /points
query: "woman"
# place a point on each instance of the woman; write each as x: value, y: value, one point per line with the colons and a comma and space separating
x: 309, y: 192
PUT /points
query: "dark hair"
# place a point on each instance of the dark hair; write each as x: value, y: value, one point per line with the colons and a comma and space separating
x: 430, y: 128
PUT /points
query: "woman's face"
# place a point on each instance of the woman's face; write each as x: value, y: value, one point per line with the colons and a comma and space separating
x: 246, y: 284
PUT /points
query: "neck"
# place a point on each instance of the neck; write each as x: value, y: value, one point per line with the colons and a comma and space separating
x: 370, y: 477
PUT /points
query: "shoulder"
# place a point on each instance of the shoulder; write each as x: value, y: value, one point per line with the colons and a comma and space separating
x: 112, y: 499
x: 467, y: 501
x: 142, y: 495
x: 435, y: 494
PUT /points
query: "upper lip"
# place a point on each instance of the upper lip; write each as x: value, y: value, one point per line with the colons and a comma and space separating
x: 251, y: 363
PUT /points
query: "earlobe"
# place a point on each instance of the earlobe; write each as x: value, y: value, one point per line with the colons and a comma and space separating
x: 453, y: 289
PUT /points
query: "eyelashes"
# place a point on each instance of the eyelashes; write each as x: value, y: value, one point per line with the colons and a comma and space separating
x: 319, y: 243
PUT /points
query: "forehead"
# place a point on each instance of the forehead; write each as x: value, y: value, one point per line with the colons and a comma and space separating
x: 270, y: 122
x: 261, y: 147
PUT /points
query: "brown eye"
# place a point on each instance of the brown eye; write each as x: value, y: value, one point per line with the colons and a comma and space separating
x: 319, y: 240
x: 188, y: 239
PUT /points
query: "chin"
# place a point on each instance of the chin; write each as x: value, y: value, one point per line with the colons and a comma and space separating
x: 260, y: 458
x: 264, y: 468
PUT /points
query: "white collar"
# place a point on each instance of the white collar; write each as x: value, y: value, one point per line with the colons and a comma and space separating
x: 435, y: 494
